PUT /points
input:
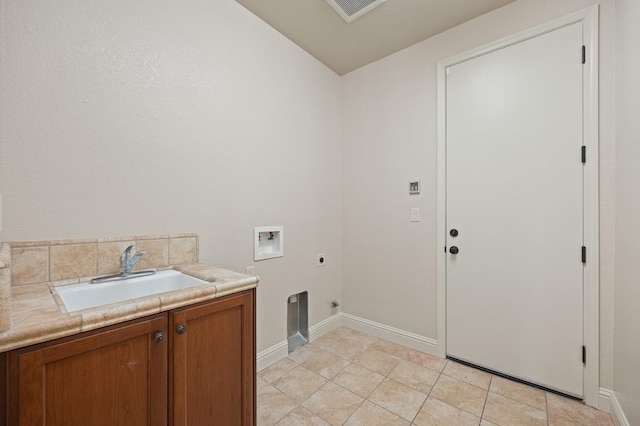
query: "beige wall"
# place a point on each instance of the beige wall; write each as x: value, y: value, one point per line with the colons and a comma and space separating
x: 162, y: 117
x: 626, y: 375
x: 389, y: 137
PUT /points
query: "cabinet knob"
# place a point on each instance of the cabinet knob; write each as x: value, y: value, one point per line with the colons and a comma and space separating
x: 181, y: 329
x: 159, y: 337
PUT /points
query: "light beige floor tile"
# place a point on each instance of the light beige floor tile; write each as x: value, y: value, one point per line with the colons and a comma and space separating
x: 299, y: 383
x: 359, y: 335
x: 426, y: 360
x: 277, y: 370
x: 519, y: 392
x: 420, y: 378
x: 347, y: 350
x: 576, y: 411
x: 302, y: 417
x: 260, y: 383
x: 487, y: 423
x: 435, y: 412
x: 391, y: 348
x: 504, y: 411
x: 380, y: 362
x: 333, y: 403
x: 303, y: 353
x: 398, y: 398
x: 369, y: 414
x: 467, y: 374
x: 325, y: 364
x: 273, y: 405
x: 350, y: 346
x: 555, y: 420
x: 460, y: 394
x: 331, y: 337
x: 358, y: 379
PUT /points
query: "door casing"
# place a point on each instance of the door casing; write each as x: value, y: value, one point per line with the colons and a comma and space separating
x: 589, y: 19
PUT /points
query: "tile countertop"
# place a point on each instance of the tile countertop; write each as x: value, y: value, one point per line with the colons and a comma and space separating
x: 38, y: 314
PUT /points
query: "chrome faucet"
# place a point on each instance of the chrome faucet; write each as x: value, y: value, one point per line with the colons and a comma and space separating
x: 127, y: 263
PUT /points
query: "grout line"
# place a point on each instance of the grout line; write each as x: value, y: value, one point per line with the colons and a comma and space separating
x: 486, y: 398
x: 546, y: 406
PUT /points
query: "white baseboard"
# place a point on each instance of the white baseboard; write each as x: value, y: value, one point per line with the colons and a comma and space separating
x: 280, y: 350
x: 392, y: 334
x: 414, y: 341
x: 323, y: 327
x: 608, y: 402
x: 272, y: 355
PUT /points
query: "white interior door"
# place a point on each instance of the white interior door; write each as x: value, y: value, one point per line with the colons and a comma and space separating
x: 514, y: 194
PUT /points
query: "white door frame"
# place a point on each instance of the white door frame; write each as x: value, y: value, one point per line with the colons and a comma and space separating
x: 589, y: 19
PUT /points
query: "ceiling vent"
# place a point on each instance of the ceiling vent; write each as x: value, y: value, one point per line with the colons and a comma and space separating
x: 353, y: 9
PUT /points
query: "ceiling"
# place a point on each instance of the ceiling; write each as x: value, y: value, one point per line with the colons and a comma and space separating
x: 316, y: 27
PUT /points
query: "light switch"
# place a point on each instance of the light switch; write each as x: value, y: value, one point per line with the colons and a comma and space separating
x: 415, y: 214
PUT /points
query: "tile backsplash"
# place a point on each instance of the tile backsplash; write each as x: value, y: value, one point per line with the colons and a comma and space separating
x: 5, y: 287
x: 42, y: 261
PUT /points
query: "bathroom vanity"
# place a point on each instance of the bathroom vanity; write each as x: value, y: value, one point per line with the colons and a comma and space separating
x: 184, y: 357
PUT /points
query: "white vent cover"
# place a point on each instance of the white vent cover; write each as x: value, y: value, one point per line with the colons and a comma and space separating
x: 353, y: 9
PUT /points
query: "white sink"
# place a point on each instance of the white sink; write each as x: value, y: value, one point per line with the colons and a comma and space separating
x: 86, y: 295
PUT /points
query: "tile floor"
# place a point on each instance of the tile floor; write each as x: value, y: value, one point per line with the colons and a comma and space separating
x: 351, y: 378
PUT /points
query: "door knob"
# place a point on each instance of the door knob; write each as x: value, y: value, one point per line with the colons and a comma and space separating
x: 453, y: 250
x: 159, y: 337
x: 453, y: 232
x: 181, y: 329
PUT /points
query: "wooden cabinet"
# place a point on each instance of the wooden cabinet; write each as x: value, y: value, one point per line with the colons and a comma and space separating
x: 211, y: 376
x: 191, y: 366
x: 111, y: 377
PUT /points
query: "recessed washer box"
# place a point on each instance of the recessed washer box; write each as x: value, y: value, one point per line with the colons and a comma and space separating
x: 268, y: 242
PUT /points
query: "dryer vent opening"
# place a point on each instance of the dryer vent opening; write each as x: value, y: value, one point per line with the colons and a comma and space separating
x: 297, y: 320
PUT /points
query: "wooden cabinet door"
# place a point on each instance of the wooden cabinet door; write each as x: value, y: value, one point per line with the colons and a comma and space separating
x: 115, y: 376
x: 212, y: 363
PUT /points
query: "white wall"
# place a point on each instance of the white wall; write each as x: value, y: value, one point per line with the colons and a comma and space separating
x: 389, y: 137
x: 150, y: 117
x: 626, y: 383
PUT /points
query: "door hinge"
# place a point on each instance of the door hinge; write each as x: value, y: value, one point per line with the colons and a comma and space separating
x: 584, y: 54
x: 584, y: 254
x: 584, y: 354
x: 584, y: 154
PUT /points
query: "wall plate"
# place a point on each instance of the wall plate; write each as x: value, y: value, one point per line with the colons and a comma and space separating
x: 268, y: 242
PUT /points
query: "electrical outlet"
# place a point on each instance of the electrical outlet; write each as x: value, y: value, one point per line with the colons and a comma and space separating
x: 251, y: 270
x: 322, y: 259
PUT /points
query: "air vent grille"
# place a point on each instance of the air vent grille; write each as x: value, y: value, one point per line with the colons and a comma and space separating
x: 352, y: 9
